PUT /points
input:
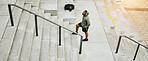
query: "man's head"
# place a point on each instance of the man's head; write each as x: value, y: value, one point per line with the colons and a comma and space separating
x: 85, y: 13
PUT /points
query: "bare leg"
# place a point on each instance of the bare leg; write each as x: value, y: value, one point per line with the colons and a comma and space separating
x: 86, y: 34
x: 77, y: 28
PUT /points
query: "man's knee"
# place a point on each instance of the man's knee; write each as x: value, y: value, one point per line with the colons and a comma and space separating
x: 86, y: 32
x: 77, y: 25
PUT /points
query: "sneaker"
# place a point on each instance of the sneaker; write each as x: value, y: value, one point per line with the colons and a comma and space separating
x: 74, y: 33
x: 85, y: 40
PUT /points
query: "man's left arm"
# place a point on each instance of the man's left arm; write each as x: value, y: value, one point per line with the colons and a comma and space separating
x: 88, y: 22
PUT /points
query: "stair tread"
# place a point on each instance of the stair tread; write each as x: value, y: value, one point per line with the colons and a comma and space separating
x: 61, y: 52
x: 45, y: 5
x: 54, y: 39
x: 9, y: 35
x: 3, y: 24
x: 75, y: 43
x: 18, y: 39
x: 36, y: 44
x: 26, y: 49
x: 61, y: 59
x: 68, y: 49
x: 75, y: 56
x: 44, y: 55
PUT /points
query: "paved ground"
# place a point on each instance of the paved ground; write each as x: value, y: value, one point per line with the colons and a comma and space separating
x: 135, y: 3
x: 139, y: 18
x: 97, y: 48
x: 138, y: 12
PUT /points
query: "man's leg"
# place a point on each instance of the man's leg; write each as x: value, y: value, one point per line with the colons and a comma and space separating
x: 77, y: 28
x: 86, y: 35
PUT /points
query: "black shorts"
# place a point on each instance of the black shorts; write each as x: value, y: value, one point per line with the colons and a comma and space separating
x: 83, y: 29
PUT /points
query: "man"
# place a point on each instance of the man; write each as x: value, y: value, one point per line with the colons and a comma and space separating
x: 84, y: 24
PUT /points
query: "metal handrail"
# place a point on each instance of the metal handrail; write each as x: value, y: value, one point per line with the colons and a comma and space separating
x: 139, y: 44
x: 36, y: 15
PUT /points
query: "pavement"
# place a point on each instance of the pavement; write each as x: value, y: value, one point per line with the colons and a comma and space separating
x: 135, y: 3
x: 138, y: 12
x: 139, y: 18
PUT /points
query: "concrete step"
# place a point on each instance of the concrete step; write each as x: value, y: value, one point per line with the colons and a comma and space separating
x: 61, y: 59
x: 119, y: 57
x: 50, y: 6
x: 34, y: 3
x: 60, y: 22
x: 7, y: 1
x: 36, y: 44
x: 75, y: 44
x: 54, y: 30
x: 132, y: 49
x: 53, y: 51
x: 19, y: 36
x: 3, y: 22
x: 141, y: 54
x: 75, y: 55
x: 26, y: 49
x: 124, y: 17
x: 4, y: 9
x: 145, y: 51
x: 68, y: 49
x: 9, y: 33
x: 44, y: 54
x: 61, y: 52
x: 54, y: 39
x: 125, y: 49
x: 75, y: 38
x: 113, y: 40
x: 129, y: 48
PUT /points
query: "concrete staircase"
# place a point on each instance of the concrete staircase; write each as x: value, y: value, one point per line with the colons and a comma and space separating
x: 127, y: 48
x: 123, y: 27
x: 20, y: 43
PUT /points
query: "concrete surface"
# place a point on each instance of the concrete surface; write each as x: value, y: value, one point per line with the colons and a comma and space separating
x: 97, y: 48
x: 102, y: 39
x: 136, y: 13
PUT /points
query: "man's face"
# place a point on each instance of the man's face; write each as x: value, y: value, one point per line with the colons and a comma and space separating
x: 70, y: 7
x: 83, y: 13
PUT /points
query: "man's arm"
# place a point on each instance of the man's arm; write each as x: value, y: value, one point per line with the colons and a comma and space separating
x: 88, y: 22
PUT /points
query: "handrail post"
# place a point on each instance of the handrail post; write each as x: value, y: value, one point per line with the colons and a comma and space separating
x: 36, y: 27
x: 118, y: 44
x: 80, y: 45
x: 136, y: 52
x: 10, y: 13
x: 59, y: 35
